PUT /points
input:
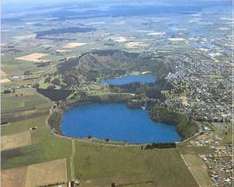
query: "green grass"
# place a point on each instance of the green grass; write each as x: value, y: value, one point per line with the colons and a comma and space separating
x: 13, y: 103
x: 23, y: 125
x: 45, y: 147
x: 103, y: 164
x: 198, y: 169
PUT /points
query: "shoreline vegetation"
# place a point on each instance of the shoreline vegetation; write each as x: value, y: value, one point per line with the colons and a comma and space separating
x: 184, y: 126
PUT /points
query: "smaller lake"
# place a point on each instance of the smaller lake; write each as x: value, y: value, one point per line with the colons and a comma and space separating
x: 116, y: 122
x: 143, y: 78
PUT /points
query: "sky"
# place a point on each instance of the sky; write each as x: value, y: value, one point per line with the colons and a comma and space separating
x: 20, y: 5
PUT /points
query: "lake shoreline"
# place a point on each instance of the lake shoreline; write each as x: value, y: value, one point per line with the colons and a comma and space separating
x: 156, y: 115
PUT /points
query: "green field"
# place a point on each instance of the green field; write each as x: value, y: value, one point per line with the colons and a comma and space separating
x: 25, y: 99
x: 105, y: 164
x: 23, y: 125
x: 198, y: 169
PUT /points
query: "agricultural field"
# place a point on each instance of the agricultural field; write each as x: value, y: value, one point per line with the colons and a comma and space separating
x: 198, y: 169
x: 3, y: 77
x: 47, y: 173
x: 14, y: 177
x: 23, y: 103
x: 73, y: 45
x: 34, y: 57
x: 52, y: 172
x: 99, y: 165
x: 15, y: 140
x: 23, y: 125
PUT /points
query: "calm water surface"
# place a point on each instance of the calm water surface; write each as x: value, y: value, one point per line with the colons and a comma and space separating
x: 144, y: 78
x: 116, y: 122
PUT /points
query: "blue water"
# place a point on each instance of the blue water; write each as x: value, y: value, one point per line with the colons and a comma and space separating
x: 116, y: 122
x: 144, y: 79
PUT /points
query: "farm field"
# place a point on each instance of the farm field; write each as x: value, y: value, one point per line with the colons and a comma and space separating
x: 22, y: 104
x: 14, y: 177
x: 15, y: 140
x: 25, y: 99
x: 3, y: 77
x: 73, y: 45
x: 99, y: 165
x: 47, y: 173
x: 33, y: 57
x: 52, y: 172
x: 198, y: 169
x: 23, y: 125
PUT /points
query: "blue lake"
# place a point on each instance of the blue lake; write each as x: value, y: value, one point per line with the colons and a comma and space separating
x: 143, y: 78
x: 116, y: 122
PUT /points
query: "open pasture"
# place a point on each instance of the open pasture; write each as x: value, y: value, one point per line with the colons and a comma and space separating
x: 33, y: 57
x: 135, y: 45
x: 14, y: 177
x: 21, y: 100
x: 99, y: 165
x: 198, y: 169
x: 73, y: 45
x: 23, y: 125
x: 47, y: 173
x: 3, y: 77
x: 15, y: 140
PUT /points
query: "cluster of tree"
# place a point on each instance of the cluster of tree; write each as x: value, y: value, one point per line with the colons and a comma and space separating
x: 150, y: 90
x: 160, y: 145
x: 7, y: 91
x: 41, y: 34
x: 54, y: 94
x: 54, y: 121
x: 184, y: 125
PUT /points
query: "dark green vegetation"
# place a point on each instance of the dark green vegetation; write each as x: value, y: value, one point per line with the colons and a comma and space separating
x: 54, y: 121
x: 54, y: 32
x: 55, y: 95
x: 160, y: 145
x: 185, y: 126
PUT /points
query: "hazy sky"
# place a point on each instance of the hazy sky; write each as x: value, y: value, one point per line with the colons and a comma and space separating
x: 20, y: 5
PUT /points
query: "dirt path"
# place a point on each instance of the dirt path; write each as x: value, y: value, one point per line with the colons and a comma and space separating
x: 72, y: 159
